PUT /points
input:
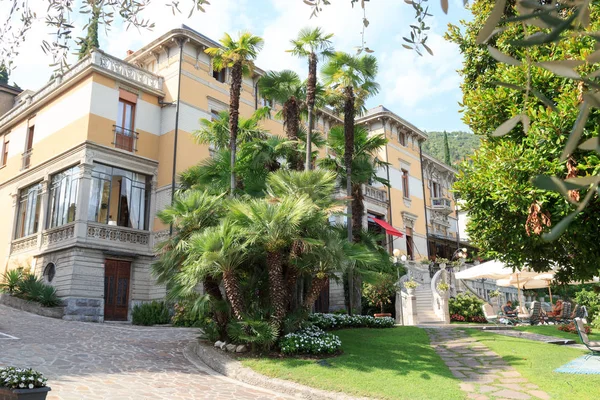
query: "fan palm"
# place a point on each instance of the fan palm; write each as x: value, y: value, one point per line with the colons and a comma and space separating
x: 285, y: 87
x: 274, y: 224
x: 217, y: 252
x: 365, y: 165
x: 350, y: 77
x: 311, y: 44
x: 239, y: 56
x: 216, y: 131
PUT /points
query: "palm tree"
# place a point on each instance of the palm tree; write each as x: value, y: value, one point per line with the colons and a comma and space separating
x: 311, y: 44
x: 216, y: 252
x: 274, y: 224
x: 351, y: 78
x: 239, y: 56
x: 285, y: 87
x: 216, y: 131
x: 365, y: 165
x: 192, y: 211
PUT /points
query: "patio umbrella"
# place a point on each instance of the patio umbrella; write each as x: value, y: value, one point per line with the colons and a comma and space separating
x: 529, y: 280
x: 490, y: 270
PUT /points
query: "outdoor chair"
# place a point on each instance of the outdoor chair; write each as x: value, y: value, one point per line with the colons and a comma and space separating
x: 490, y: 315
x: 594, y: 347
x: 535, y: 315
x: 563, y: 318
x: 580, y: 312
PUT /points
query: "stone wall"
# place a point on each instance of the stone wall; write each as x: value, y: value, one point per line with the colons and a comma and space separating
x: 336, y: 294
x: 35, y: 308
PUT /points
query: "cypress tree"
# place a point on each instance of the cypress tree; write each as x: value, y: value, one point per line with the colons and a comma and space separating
x: 446, y: 149
x: 91, y: 40
x: 3, y: 74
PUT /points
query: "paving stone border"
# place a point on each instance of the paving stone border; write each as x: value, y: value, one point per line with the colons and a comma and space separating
x: 484, y: 374
x: 226, y: 365
x: 29, y: 306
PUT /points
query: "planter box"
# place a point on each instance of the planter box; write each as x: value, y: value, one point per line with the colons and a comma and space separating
x: 24, y: 394
x: 29, y: 306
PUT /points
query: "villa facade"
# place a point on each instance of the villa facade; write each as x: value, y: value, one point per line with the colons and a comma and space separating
x: 87, y: 161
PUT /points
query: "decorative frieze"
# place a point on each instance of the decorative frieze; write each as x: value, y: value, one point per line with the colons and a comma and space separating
x: 26, y: 243
x: 117, y: 234
x: 161, y: 236
x: 59, y: 234
x: 127, y: 70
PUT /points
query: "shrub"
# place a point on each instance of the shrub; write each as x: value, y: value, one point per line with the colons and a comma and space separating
x: 572, y: 329
x: 256, y: 333
x: 590, y: 300
x: 468, y: 307
x: 21, y: 378
x: 380, y: 293
x: 311, y: 340
x: 184, y: 315
x: 596, y: 322
x: 341, y: 321
x: 153, y: 313
x: 11, y: 280
x: 47, y: 297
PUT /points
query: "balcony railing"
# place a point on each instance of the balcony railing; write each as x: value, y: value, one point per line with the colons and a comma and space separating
x: 376, y: 194
x: 26, y: 157
x: 125, y: 139
x: 442, y: 204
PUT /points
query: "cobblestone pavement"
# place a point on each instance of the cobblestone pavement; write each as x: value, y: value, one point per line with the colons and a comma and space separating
x: 87, y: 361
x: 484, y: 374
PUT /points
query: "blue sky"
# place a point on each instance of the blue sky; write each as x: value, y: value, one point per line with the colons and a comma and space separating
x: 423, y: 90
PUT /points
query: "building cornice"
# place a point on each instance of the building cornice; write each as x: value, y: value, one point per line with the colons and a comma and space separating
x: 97, y: 61
x: 429, y: 159
x: 386, y: 114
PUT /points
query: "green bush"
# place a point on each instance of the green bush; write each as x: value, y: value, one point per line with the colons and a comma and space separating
x: 154, y: 313
x: 256, y: 333
x: 467, y: 306
x: 595, y: 322
x: 185, y: 316
x: 342, y: 321
x: 311, y: 340
x: 11, y: 279
x: 31, y: 288
x: 591, y: 301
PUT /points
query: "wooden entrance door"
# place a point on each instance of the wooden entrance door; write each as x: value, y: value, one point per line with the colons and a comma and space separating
x: 116, y: 290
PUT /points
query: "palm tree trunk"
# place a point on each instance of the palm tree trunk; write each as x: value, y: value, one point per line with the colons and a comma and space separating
x: 310, y: 100
x: 234, y: 293
x: 291, y: 118
x: 211, y: 287
x: 315, y: 290
x: 277, y: 288
x: 234, y: 114
x: 349, y: 150
x: 358, y: 209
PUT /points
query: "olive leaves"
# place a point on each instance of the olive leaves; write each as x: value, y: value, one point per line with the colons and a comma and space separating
x: 553, y: 21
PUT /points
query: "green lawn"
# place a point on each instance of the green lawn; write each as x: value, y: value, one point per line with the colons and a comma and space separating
x: 552, y: 330
x: 536, y: 361
x: 395, y: 363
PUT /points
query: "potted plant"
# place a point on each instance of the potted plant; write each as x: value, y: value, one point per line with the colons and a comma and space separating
x: 442, y: 262
x: 379, y: 293
x: 410, y: 286
x: 443, y: 287
x: 22, y: 383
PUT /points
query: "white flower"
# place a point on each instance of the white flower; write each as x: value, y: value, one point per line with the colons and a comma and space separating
x: 30, y: 386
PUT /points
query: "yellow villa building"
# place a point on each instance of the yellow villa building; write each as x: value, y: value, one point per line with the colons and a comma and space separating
x: 87, y: 161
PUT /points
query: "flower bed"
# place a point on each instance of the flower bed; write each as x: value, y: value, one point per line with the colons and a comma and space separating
x: 21, y: 378
x: 475, y: 318
x: 341, y: 321
x: 571, y: 328
x: 311, y: 340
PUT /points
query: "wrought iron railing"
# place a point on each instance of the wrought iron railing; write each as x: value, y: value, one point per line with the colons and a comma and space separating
x: 440, y: 202
x: 26, y: 157
x: 125, y: 139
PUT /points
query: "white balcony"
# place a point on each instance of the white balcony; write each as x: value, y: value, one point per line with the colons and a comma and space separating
x: 442, y: 204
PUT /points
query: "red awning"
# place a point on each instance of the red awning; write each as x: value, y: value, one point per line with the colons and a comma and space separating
x: 388, y: 228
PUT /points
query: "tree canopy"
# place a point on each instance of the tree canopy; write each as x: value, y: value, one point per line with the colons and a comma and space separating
x: 460, y: 144
x: 508, y: 213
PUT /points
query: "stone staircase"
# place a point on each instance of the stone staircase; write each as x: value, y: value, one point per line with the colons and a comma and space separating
x: 425, y: 312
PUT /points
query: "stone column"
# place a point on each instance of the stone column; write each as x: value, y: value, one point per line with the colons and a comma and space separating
x: 83, y: 199
x: 44, y: 198
x: 399, y: 308
x: 409, y: 303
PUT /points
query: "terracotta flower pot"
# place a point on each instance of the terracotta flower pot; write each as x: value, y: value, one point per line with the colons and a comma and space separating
x: 382, y: 315
x: 24, y: 394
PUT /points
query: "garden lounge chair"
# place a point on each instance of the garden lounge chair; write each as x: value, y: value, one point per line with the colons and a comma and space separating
x: 594, y: 347
x: 490, y: 315
x: 563, y: 318
x: 535, y: 315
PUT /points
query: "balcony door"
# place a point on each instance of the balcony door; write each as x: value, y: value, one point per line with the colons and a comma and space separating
x: 116, y: 289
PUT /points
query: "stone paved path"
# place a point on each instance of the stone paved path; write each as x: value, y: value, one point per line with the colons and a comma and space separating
x: 484, y: 374
x: 537, y: 337
x: 86, y: 361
